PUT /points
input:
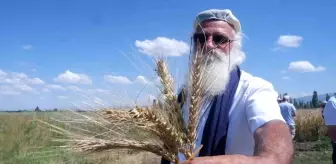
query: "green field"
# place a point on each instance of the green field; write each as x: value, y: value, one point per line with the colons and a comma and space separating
x: 24, y: 141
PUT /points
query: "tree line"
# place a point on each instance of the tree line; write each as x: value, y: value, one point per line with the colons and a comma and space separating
x: 314, y: 103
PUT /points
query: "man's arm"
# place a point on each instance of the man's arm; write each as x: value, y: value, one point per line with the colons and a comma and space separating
x: 273, y: 145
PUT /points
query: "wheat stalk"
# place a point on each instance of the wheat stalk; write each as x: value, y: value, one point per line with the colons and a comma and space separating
x: 165, y: 123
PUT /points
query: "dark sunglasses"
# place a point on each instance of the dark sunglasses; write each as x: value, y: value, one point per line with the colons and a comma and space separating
x: 216, y: 38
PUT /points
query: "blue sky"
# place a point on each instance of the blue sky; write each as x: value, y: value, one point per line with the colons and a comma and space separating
x: 51, y: 50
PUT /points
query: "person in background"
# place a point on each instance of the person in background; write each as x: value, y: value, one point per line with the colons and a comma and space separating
x: 288, y: 112
x: 279, y: 100
x: 329, y: 114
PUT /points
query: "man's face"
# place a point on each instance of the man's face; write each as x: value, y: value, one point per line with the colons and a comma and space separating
x: 214, y: 34
x: 220, y: 55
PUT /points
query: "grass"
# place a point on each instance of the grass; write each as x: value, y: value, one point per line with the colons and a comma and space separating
x: 23, y: 141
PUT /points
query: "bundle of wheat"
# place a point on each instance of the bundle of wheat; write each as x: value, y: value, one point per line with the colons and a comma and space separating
x: 163, y: 128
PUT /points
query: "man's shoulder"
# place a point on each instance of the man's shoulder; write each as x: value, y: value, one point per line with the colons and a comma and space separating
x: 253, y: 83
x: 331, y: 103
x: 332, y: 99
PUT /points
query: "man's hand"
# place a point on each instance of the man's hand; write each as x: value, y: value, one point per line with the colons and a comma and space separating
x: 273, y: 145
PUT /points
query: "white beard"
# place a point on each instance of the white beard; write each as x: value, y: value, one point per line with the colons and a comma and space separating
x: 217, y: 68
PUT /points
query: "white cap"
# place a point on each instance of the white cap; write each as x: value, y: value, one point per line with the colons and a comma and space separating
x: 217, y: 14
x: 286, y: 97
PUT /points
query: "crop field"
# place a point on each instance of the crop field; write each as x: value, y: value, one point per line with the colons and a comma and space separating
x: 25, y: 141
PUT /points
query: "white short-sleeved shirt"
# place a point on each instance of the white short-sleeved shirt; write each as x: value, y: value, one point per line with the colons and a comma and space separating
x: 255, y: 103
x: 329, y: 112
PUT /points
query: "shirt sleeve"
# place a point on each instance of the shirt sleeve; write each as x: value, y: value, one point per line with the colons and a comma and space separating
x: 330, y: 113
x: 261, y: 104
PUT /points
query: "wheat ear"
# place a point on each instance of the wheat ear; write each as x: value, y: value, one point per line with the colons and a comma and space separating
x: 195, y: 102
x: 97, y: 145
x: 151, y: 120
x: 171, y: 104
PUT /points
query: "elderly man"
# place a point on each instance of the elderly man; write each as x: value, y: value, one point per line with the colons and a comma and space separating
x: 288, y: 112
x: 329, y: 114
x: 241, y: 123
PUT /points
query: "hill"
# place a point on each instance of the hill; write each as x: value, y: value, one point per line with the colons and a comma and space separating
x: 321, y: 97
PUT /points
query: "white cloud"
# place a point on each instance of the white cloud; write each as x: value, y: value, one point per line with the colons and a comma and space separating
x: 70, y: 77
x: 74, y: 88
x: 117, y: 79
x: 141, y: 80
x: 18, y: 75
x: 46, y: 90
x: 292, y: 41
x: 27, y: 47
x: 23, y: 87
x: 15, y: 82
x: 8, y: 90
x: 62, y: 97
x: 103, y: 91
x: 35, y: 81
x: 11, y: 80
x: 19, y: 78
x: 10, y: 93
x: 162, y: 46
x: 2, y: 73
x: 304, y: 66
x: 55, y: 87
x: 286, y: 78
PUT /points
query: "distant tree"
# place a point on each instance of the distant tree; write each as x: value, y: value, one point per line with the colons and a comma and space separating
x: 300, y: 104
x: 37, y: 109
x: 55, y: 110
x: 295, y: 103
x: 327, y: 97
x: 314, y: 100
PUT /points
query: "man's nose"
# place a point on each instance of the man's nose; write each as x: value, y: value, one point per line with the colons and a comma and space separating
x: 209, y: 43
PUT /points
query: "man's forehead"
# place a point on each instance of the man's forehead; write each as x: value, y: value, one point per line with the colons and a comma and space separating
x: 215, y: 26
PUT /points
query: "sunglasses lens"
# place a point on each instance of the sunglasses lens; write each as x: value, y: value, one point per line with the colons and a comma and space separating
x: 219, y: 39
x: 199, y: 38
